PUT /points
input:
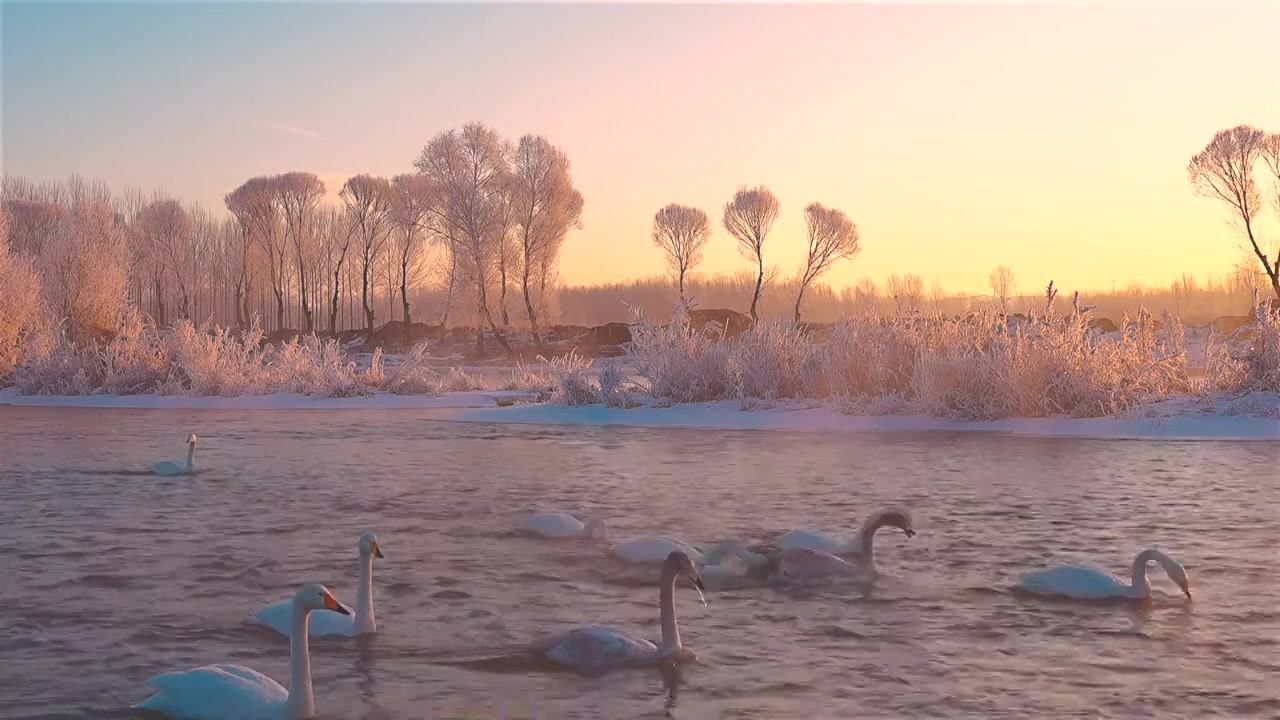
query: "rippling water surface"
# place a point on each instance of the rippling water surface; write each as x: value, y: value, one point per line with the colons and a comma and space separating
x: 109, y: 575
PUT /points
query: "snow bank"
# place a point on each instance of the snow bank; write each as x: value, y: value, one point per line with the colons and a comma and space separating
x: 1207, y: 423
x: 273, y: 401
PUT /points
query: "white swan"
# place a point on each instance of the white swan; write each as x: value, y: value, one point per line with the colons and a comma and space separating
x: 562, y: 525
x: 177, y: 467
x: 857, y: 545
x: 224, y: 692
x: 278, y: 616
x: 652, y: 548
x: 602, y: 648
x: 806, y: 564
x: 1086, y: 583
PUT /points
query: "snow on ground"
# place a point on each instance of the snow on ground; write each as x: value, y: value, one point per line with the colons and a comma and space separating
x: 275, y: 401
x: 1207, y: 423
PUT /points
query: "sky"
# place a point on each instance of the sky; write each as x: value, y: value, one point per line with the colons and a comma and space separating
x: 1049, y: 138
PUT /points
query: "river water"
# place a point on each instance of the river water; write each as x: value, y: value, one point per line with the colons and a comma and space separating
x: 109, y: 575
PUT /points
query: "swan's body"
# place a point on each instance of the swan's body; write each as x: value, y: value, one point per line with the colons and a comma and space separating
x: 278, y: 616
x: 652, y: 549
x: 1086, y: 583
x: 234, y: 692
x: 602, y: 648
x: 856, y: 545
x: 175, y: 467
x: 805, y: 564
x: 560, y: 525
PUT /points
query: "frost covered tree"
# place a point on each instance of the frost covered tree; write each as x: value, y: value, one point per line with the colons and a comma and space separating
x: 411, y: 216
x: 906, y: 291
x: 472, y: 176
x: 31, y: 223
x: 20, y: 312
x: 1226, y: 171
x: 681, y: 232
x: 166, y: 231
x: 254, y: 206
x: 298, y: 194
x: 368, y: 200
x: 545, y: 207
x: 749, y: 217
x: 83, y: 271
x: 832, y: 237
x: 1002, y: 285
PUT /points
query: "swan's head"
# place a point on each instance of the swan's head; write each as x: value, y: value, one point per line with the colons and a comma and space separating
x: 1176, y: 572
x: 191, y: 439
x: 315, y: 596
x: 595, y: 530
x: 894, y: 517
x: 678, y: 563
x: 369, y: 545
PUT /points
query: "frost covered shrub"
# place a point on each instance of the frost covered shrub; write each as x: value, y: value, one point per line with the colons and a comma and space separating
x: 1250, y: 359
x: 679, y: 365
x: 980, y: 366
x: 571, y: 384
x: 21, y: 315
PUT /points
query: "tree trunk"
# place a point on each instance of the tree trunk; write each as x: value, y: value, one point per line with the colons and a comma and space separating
x: 364, y: 299
x: 306, y: 302
x: 533, y: 316
x: 239, y: 300
x: 333, y: 301
x: 404, y: 296
x: 755, y: 299
x: 279, y: 307
x: 159, y: 302
x: 502, y: 292
x: 799, y: 298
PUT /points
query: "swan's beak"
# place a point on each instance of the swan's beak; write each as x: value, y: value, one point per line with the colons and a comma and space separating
x: 376, y: 549
x: 909, y: 532
x: 696, y: 579
x: 331, y: 603
x: 1187, y: 590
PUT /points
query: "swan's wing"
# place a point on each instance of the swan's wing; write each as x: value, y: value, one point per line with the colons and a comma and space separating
x: 326, y: 622
x: 278, y: 616
x: 554, y: 524
x: 808, y: 540
x: 806, y: 563
x: 1074, y: 581
x: 216, y: 691
x: 597, y: 647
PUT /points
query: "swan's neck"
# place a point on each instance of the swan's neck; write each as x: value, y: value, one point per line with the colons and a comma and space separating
x: 301, y: 703
x: 667, y: 602
x: 865, y: 539
x: 365, y: 621
x: 1141, y: 586
x: 191, y: 455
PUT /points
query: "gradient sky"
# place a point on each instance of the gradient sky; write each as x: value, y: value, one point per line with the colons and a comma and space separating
x: 1049, y: 138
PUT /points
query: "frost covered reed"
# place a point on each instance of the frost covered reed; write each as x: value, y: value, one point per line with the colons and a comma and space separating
x: 186, y: 360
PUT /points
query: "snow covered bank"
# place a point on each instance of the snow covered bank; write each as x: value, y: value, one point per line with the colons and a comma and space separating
x: 1207, y: 423
x: 274, y: 401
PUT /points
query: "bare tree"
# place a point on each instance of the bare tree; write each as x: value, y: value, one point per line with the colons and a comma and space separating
x: 167, y: 233
x: 1002, y: 285
x: 411, y: 214
x: 545, y: 207
x: 368, y: 200
x: 681, y: 232
x: 749, y: 217
x: 471, y: 172
x: 832, y: 237
x: 254, y: 206
x: 1224, y: 171
x: 298, y: 194
x: 867, y: 296
x: 906, y: 291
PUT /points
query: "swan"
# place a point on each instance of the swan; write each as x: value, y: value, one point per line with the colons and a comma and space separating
x: 563, y: 525
x: 652, y: 548
x: 601, y: 648
x: 219, y: 692
x: 176, y: 467
x: 278, y: 616
x: 857, y: 545
x: 1086, y: 583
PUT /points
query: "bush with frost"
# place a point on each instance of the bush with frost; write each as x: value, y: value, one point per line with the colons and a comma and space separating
x: 1249, y: 359
x: 22, y: 318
